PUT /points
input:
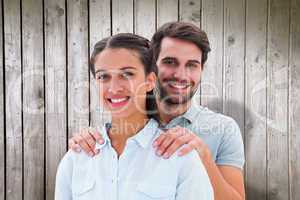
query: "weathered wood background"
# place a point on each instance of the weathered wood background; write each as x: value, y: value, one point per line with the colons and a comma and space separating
x: 47, y: 93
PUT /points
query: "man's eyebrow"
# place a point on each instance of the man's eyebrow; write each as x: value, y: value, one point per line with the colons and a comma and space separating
x: 169, y: 57
x: 123, y: 68
x: 194, y: 61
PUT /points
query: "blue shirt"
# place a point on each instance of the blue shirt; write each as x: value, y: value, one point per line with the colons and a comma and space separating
x: 221, y: 133
x: 138, y: 174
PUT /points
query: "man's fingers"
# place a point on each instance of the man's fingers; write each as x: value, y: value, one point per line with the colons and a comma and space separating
x: 164, y: 145
x: 179, y: 142
x: 97, y: 136
x: 74, y: 146
x: 89, y: 139
x: 159, y: 140
x: 169, y: 137
x: 84, y: 145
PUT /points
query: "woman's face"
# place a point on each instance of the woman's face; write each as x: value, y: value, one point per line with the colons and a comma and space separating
x: 122, y: 82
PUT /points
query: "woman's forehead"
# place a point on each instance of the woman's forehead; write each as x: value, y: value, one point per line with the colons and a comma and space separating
x: 117, y: 59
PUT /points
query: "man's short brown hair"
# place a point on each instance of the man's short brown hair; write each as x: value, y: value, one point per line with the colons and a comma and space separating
x: 184, y: 31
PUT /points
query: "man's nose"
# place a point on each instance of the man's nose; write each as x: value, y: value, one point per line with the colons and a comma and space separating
x: 180, y: 73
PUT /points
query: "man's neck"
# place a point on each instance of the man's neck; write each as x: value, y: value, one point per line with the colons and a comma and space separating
x: 167, y: 112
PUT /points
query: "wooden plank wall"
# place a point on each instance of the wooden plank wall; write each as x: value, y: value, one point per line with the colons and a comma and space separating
x: 47, y: 92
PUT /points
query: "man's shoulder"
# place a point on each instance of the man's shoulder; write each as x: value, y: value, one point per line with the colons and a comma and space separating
x: 209, y: 118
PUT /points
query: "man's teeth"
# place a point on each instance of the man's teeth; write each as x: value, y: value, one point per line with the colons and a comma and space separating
x: 179, y: 86
x: 118, y: 100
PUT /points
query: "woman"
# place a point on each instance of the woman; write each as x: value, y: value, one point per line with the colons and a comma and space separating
x: 128, y: 167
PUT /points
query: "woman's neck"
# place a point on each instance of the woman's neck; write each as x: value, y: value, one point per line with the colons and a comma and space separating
x: 124, y: 128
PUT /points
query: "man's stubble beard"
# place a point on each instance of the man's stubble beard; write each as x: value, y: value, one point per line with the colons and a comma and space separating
x: 165, y: 98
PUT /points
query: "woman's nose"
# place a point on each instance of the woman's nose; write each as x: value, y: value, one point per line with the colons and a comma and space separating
x: 115, y: 86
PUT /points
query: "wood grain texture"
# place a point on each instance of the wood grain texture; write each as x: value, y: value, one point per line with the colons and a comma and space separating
x: 2, y: 115
x: 294, y: 106
x: 252, y: 74
x: 100, y: 27
x: 78, y: 69
x: 277, y: 96
x: 190, y: 11
x: 122, y: 16
x: 255, y: 102
x: 144, y: 19
x: 56, y: 96
x: 33, y: 99
x: 234, y: 69
x: 212, y: 75
x: 13, y: 99
x: 167, y: 11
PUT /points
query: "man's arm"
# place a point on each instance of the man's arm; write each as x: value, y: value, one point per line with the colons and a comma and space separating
x: 227, y: 180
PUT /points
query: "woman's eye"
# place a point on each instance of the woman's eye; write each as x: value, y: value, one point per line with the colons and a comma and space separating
x: 102, y: 77
x: 127, y: 75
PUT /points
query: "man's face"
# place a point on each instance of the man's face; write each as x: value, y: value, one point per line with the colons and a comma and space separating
x: 179, y: 69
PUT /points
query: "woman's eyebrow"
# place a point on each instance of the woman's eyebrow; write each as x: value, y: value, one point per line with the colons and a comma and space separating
x: 122, y: 69
x: 128, y: 67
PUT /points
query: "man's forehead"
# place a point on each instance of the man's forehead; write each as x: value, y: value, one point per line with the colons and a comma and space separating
x: 177, y: 48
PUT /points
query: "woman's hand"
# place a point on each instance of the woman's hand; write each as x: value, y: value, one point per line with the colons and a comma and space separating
x: 171, y: 140
x: 86, y: 140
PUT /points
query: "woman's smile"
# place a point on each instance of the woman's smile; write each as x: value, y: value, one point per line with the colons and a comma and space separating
x: 118, y: 101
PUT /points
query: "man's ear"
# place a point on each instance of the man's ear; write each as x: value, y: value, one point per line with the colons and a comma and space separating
x: 151, y: 80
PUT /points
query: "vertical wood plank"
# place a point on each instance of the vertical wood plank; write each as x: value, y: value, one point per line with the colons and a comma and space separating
x: 55, y: 80
x: 167, y: 11
x: 33, y: 99
x: 2, y: 115
x: 13, y: 80
x: 277, y: 91
x: 233, y: 80
x: 144, y: 19
x: 78, y: 69
x: 100, y: 27
x: 294, y: 95
x: 190, y: 11
x: 255, y: 120
x: 212, y: 75
x: 122, y: 16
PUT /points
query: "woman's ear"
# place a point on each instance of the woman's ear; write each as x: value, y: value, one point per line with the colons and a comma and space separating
x: 151, y: 80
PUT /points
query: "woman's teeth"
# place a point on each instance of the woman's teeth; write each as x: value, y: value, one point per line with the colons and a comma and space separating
x: 118, y: 100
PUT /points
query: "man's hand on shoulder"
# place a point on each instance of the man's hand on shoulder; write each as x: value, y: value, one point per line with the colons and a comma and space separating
x: 173, y: 139
x: 86, y: 140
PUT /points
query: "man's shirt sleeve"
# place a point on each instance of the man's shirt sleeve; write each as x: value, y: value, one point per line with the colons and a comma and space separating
x: 231, y: 150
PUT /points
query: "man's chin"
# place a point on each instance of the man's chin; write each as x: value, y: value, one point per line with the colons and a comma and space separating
x: 176, y: 101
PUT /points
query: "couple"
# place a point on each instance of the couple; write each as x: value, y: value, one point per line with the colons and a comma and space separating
x: 130, y: 165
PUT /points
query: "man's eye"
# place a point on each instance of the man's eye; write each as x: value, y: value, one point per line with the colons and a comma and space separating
x: 191, y: 65
x: 169, y: 62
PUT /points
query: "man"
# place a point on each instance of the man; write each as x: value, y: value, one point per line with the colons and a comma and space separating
x: 180, y: 51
